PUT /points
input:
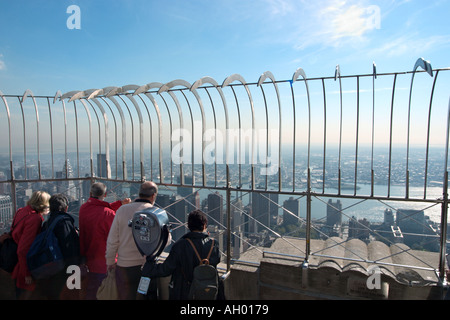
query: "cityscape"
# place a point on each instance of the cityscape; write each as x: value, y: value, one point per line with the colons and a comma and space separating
x: 258, y: 218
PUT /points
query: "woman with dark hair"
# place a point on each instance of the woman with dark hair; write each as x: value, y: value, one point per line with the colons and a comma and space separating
x: 69, y: 243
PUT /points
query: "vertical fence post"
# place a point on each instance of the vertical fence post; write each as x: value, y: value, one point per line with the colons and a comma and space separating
x: 444, y: 212
x: 443, y: 229
x: 228, y: 197
x: 308, y: 217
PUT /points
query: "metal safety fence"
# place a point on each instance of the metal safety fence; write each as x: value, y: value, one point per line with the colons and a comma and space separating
x: 274, y: 164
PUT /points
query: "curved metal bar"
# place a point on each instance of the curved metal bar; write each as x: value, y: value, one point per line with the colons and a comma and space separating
x: 99, y: 134
x: 81, y: 95
x: 428, y: 136
x: 157, y: 85
x: 88, y: 92
x: 372, y: 178
x: 90, y: 134
x: 51, y: 136
x: 60, y: 96
x: 390, y: 136
x: 147, y: 87
x: 115, y: 135
x: 240, y: 137
x: 67, y: 95
x: 301, y: 72
x: 267, y: 135
x: 444, y: 210
x: 24, y: 139
x: 187, y: 85
x: 11, y: 165
x: 77, y: 138
x: 88, y: 95
x: 215, y: 138
x: 180, y: 114
x: 447, y: 141
x: 337, y: 74
x: 141, y: 126
x: 324, y: 134
x: 357, y: 135
x: 192, y: 137
x: 209, y: 80
x: 294, y: 130
x: 25, y: 95
x: 227, y: 82
x: 124, y: 135
x: 425, y: 65
x: 200, y: 104
x: 78, y: 96
x: 105, y: 120
x: 9, y: 130
x: 132, y: 135
x: 151, y: 138
x: 263, y: 77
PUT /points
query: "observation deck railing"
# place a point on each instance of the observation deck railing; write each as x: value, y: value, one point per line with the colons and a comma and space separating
x: 376, y: 142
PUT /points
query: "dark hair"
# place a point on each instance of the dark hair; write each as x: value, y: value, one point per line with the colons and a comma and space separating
x: 197, y: 220
x: 98, y: 189
x: 147, y: 189
x: 58, y: 202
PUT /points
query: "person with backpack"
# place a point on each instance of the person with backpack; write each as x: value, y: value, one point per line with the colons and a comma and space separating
x: 69, y: 244
x: 26, y: 225
x: 184, y: 259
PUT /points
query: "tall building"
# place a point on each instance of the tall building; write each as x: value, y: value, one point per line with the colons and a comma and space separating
x: 359, y: 229
x: 388, y: 217
x: 186, y: 189
x: 237, y: 228
x: 177, y: 216
x: 66, y: 187
x: 334, y: 218
x: 334, y: 215
x: 264, y: 209
x: 215, y: 210
x: 413, y: 225
x: 291, y: 217
x: 103, y: 167
x: 6, y: 209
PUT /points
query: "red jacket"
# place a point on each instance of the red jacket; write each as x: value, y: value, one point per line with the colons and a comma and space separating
x: 95, y: 219
x: 28, y: 226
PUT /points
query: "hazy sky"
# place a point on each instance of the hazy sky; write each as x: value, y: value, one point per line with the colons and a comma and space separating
x: 52, y: 45
x: 139, y: 41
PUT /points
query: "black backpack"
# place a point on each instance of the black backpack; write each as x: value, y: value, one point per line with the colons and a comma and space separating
x: 8, y: 249
x: 45, y: 259
x: 205, y: 282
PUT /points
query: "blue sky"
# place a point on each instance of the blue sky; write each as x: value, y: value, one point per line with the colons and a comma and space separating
x: 140, y: 41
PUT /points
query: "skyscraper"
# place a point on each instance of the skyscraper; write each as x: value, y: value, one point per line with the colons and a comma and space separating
x: 103, y: 167
x: 215, y: 210
x: 264, y: 209
x: 292, y: 206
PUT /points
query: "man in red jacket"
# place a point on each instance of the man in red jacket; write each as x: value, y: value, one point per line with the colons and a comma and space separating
x: 95, y: 219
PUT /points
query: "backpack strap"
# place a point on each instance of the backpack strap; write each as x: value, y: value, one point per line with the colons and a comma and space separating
x: 15, y: 223
x: 55, y: 221
x: 204, y: 261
